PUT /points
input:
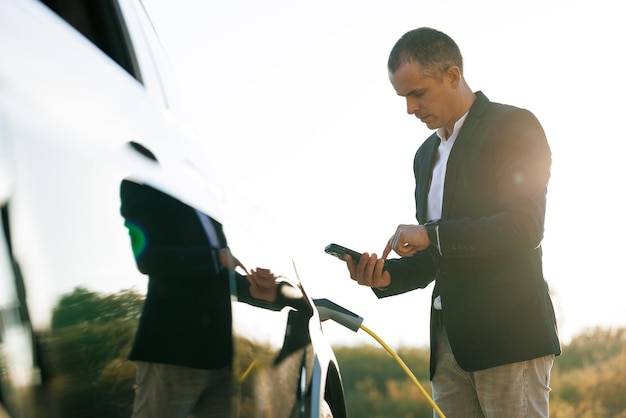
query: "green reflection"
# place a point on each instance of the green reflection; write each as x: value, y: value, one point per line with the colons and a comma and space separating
x: 137, y: 238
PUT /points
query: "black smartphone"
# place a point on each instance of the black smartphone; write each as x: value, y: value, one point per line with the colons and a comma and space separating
x: 339, y: 252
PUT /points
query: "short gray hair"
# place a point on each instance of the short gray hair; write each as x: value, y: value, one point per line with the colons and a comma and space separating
x: 433, y: 50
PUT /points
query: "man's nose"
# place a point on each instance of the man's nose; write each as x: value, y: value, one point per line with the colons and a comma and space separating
x: 412, y: 106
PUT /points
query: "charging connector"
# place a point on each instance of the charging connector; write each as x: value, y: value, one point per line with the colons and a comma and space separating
x: 350, y: 320
x: 330, y: 310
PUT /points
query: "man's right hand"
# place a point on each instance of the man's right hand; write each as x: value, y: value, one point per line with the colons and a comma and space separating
x: 369, y: 271
x: 407, y: 240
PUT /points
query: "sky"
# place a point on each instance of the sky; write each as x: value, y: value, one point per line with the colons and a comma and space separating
x: 294, y: 99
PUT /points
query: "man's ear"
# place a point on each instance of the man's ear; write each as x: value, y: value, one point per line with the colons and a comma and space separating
x: 453, y: 76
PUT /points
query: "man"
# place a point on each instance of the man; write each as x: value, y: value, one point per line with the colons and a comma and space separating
x: 183, y: 345
x: 480, y: 194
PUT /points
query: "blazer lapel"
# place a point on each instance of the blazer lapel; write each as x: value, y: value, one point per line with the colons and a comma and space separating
x: 462, y: 143
x: 425, y: 176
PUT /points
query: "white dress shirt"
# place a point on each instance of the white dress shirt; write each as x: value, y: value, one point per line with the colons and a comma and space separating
x: 435, y: 193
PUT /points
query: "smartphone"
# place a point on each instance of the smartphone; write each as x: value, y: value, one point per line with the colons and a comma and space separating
x: 339, y: 252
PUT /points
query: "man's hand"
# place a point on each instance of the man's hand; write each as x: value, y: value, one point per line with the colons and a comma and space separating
x: 369, y: 271
x: 262, y: 281
x: 407, y: 240
x: 229, y: 261
x: 263, y: 284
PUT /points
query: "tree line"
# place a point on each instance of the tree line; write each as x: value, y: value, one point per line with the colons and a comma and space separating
x: 588, y: 380
x: 85, y: 367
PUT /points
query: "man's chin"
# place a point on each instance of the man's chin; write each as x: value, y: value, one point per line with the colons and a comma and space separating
x: 431, y: 124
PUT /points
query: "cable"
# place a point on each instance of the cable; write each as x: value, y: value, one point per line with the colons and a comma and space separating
x: 245, y: 374
x: 330, y: 310
x: 405, y: 368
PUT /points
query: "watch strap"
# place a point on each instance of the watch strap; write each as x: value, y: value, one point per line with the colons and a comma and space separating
x: 431, y: 231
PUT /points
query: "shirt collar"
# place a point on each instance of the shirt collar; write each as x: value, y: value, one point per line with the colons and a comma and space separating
x: 457, y: 127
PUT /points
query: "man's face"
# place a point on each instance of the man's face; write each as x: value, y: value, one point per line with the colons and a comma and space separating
x: 431, y: 100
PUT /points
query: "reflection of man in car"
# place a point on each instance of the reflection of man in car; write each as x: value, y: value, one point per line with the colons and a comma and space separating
x: 183, y: 345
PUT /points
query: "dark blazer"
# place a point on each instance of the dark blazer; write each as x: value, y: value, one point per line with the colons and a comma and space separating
x: 186, y: 318
x: 496, y: 303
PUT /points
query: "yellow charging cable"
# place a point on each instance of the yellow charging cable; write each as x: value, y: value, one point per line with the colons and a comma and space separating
x: 245, y: 374
x: 405, y: 368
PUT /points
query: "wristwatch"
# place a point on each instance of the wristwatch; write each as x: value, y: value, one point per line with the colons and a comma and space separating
x: 431, y: 230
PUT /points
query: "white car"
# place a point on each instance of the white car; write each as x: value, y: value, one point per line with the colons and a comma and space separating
x: 80, y: 81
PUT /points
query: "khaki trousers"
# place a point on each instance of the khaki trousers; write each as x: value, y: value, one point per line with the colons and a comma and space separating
x: 166, y: 391
x: 517, y: 390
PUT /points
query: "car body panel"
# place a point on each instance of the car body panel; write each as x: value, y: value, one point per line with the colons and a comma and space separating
x: 70, y: 291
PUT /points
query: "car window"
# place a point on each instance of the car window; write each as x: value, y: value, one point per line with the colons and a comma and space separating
x: 100, y: 22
